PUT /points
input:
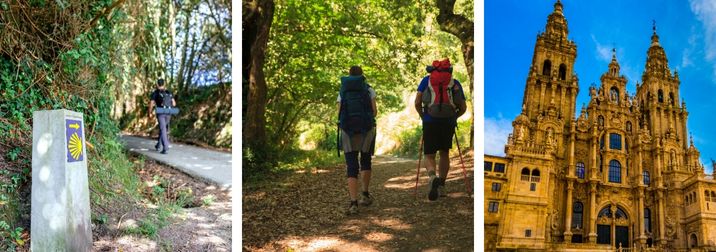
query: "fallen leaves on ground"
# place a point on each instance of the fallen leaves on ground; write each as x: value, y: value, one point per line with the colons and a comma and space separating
x: 306, y: 211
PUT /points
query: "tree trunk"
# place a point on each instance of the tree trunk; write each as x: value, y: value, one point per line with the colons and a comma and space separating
x: 258, y: 15
x: 462, y: 28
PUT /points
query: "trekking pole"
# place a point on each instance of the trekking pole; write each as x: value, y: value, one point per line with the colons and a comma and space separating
x: 464, y: 173
x: 417, y: 176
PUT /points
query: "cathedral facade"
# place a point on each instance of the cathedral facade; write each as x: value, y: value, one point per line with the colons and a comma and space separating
x: 622, y: 174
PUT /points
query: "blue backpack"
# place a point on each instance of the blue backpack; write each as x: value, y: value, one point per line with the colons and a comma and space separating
x: 356, y: 114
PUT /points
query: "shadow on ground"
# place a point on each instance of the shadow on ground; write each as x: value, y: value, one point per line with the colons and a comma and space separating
x: 306, y: 212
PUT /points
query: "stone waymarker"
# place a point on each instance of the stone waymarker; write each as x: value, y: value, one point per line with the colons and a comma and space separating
x: 60, y: 219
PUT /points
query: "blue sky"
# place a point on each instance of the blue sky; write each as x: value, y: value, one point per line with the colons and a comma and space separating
x: 686, y: 29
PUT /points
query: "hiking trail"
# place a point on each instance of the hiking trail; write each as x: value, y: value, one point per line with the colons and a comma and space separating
x: 305, y: 211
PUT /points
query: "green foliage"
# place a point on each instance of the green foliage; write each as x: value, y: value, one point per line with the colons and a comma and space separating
x: 409, y: 142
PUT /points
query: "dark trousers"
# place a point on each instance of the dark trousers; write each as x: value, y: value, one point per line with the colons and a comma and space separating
x: 352, y: 162
x: 163, y: 130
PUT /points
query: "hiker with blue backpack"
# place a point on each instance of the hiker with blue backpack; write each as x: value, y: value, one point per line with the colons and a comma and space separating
x: 440, y: 101
x: 356, y: 123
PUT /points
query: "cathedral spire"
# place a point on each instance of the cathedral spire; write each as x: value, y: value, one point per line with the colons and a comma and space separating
x: 556, y: 22
x: 656, y: 61
x: 654, y: 36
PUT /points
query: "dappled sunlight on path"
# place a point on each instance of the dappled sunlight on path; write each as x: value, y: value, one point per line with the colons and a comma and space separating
x: 306, y: 212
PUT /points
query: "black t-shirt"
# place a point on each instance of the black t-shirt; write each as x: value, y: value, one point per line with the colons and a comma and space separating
x: 157, y: 97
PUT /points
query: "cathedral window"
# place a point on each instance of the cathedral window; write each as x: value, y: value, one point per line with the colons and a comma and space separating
x: 546, y: 67
x: 580, y: 170
x: 620, y: 214
x: 535, y: 175
x: 499, y: 167
x: 615, y: 141
x: 577, y: 210
x: 528, y: 233
x: 671, y: 98
x: 496, y: 187
x: 525, y: 174
x: 493, y: 207
x: 533, y: 187
x: 707, y: 196
x: 605, y: 212
x: 562, y: 72
x: 661, y: 96
x: 647, y: 220
x: 615, y: 171
x: 488, y: 166
x: 645, y: 174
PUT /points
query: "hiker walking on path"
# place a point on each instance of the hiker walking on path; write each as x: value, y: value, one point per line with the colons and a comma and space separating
x: 164, y: 101
x: 439, y: 102
x: 356, y: 120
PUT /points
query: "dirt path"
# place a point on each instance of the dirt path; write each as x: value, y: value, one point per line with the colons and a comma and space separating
x: 306, y: 212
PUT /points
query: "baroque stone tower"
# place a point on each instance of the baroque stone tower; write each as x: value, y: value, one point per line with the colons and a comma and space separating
x: 620, y: 175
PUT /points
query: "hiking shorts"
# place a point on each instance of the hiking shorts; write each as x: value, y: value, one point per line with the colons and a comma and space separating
x: 358, y: 142
x: 437, y: 136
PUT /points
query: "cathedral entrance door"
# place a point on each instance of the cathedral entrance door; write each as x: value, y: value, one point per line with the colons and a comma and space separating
x: 621, y: 235
x: 604, y: 235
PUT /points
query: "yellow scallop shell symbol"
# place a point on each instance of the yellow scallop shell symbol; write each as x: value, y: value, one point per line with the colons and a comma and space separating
x: 75, y: 146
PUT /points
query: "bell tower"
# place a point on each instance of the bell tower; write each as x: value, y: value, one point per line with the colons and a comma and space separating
x: 662, y: 111
x: 551, y: 83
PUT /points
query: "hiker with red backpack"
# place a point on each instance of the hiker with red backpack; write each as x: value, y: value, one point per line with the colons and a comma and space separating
x: 356, y: 115
x: 440, y: 101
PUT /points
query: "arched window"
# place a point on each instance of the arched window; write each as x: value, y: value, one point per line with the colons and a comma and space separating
x: 647, y: 180
x: 713, y: 196
x: 580, y: 170
x: 686, y: 199
x: 661, y: 96
x: 615, y: 141
x: 535, y: 175
x: 615, y: 171
x: 707, y: 196
x: 577, y: 210
x: 647, y: 220
x: 671, y: 98
x: 600, y: 121
x: 525, y: 174
x: 628, y: 127
x: 694, y: 242
x: 614, y: 94
x: 562, y: 72
x: 605, y: 212
x: 620, y: 214
x: 546, y: 67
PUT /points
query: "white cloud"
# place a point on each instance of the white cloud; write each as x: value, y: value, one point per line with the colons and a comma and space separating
x: 705, y: 11
x: 496, y: 132
x: 603, y: 52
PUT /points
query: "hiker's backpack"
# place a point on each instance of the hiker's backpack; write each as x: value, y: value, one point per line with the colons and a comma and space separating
x: 356, y: 114
x: 165, y: 99
x: 439, y: 96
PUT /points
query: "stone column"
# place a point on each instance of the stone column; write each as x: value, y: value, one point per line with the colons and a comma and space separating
x: 541, y: 97
x: 593, y: 169
x: 60, y: 210
x: 662, y: 228
x: 642, y: 236
x: 568, y: 215
x: 593, y: 212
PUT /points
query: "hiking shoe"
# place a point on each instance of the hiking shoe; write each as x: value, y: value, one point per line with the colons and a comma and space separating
x: 156, y: 147
x: 164, y: 152
x: 366, y: 200
x: 353, y: 209
x: 434, y: 183
x: 441, y: 190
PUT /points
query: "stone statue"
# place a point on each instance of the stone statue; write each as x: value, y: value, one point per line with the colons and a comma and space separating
x: 550, y: 138
x: 520, y: 133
